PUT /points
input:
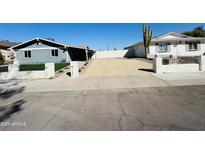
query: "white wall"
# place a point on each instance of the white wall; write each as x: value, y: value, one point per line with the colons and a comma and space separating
x: 158, y: 67
x: 109, y: 54
x: 179, y: 68
x: 136, y: 51
x: 14, y: 73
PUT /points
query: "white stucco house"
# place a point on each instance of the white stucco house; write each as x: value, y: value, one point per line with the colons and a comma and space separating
x: 171, y: 43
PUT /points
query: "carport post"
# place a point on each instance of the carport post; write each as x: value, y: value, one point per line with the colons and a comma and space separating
x: 67, y: 56
x: 86, y: 52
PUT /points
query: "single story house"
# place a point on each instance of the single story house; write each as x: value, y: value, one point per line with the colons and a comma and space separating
x: 4, y: 46
x: 40, y: 50
x: 171, y: 43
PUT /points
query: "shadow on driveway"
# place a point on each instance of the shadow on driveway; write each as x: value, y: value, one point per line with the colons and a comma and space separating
x: 146, y: 70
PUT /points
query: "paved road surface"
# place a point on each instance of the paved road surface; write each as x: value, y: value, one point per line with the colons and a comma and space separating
x: 162, y: 108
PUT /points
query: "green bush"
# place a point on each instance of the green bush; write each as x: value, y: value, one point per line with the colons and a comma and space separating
x: 31, y: 67
x: 3, y: 68
x: 59, y: 66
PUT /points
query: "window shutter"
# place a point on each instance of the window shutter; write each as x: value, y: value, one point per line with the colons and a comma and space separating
x: 52, y: 52
x: 29, y: 53
x: 56, y: 52
x: 25, y: 53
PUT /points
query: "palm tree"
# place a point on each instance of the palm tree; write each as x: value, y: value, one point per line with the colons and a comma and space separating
x: 147, y: 37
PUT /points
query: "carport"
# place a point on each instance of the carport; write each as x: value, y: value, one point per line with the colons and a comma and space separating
x: 80, y: 53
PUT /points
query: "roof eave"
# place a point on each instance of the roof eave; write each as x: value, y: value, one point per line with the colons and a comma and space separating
x: 134, y: 45
x: 178, y: 39
x: 11, y: 48
x: 38, y: 39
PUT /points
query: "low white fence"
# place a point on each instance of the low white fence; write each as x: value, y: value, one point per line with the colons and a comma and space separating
x: 15, y: 73
x: 109, y: 54
x: 179, y: 64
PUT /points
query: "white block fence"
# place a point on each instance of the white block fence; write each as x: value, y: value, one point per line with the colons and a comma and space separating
x: 14, y: 73
x: 159, y: 67
x: 109, y: 54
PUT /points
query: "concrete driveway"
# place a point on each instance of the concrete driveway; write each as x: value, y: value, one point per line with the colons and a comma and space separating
x: 162, y: 108
x: 118, y: 67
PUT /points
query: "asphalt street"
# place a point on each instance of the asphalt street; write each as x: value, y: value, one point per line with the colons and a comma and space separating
x: 160, y: 108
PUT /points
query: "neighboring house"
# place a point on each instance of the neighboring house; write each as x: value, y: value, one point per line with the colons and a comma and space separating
x: 40, y: 50
x: 4, y: 45
x: 171, y: 43
x: 136, y: 50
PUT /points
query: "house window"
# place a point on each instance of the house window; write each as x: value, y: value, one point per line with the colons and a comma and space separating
x: 27, y: 54
x: 193, y: 46
x: 54, y: 53
x: 162, y: 47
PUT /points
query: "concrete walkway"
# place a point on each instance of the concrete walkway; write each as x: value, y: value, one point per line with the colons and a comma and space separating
x: 182, y: 79
x: 92, y: 83
x: 64, y: 83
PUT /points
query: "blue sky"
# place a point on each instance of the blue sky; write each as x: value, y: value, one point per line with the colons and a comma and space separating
x: 97, y: 36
